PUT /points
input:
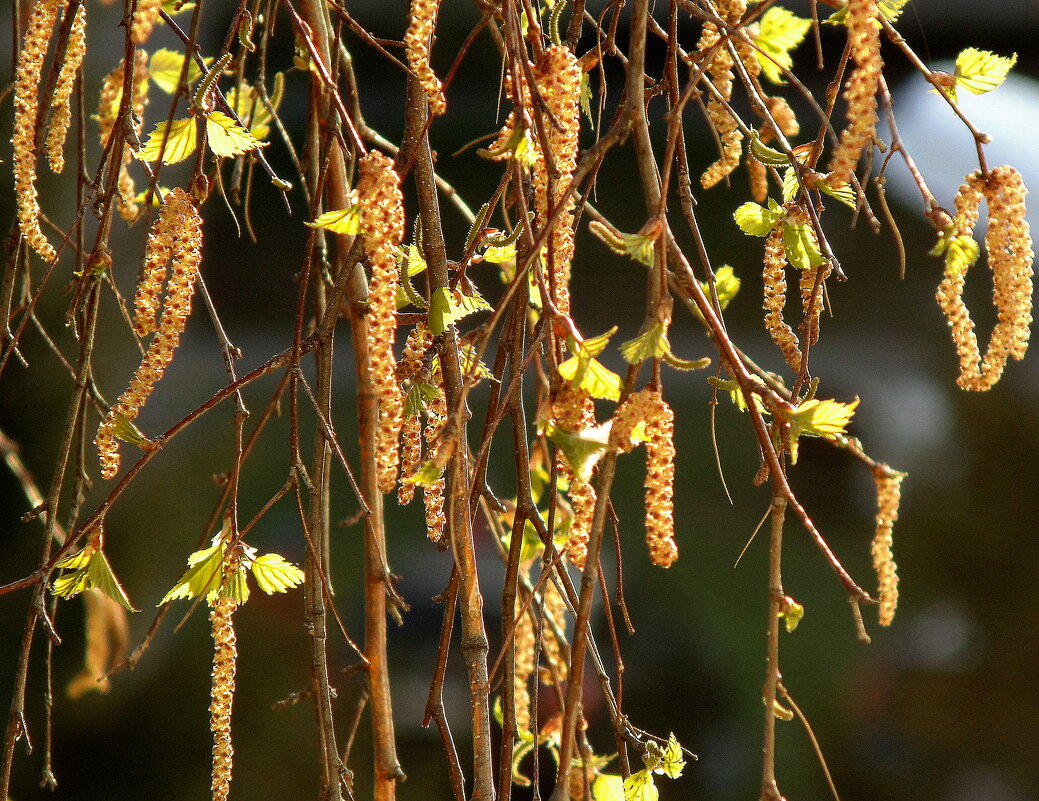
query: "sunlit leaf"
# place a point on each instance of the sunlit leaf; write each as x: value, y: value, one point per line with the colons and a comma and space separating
x: 818, y: 418
x: 780, y: 32
x: 582, y: 449
x: 447, y: 307
x: 499, y: 254
x: 251, y: 110
x: 802, y: 248
x: 589, y: 375
x: 781, y: 711
x: 179, y: 145
x: 586, y: 99
x: 125, y: 430
x: 979, y: 71
x: 339, y: 221
x: 608, y: 787
x: 203, y: 576
x: 274, y: 574
x: 755, y: 220
x: 427, y: 475
x: 765, y: 154
x: 647, y: 345
x: 418, y: 397
x: 78, y: 559
x: 227, y: 138
x: 640, y: 787
x: 672, y: 763
x: 90, y: 570
x: 165, y: 66
x: 102, y: 577
x: 889, y: 9
x: 961, y: 252
x: 791, y: 612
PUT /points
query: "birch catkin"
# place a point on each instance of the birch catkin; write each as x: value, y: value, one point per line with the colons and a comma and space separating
x: 721, y: 75
x: 381, y: 217
x: 860, y: 92
x: 417, y: 45
x: 574, y: 410
x: 775, y: 299
x: 888, y: 496
x: 176, y: 235
x: 225, y: 653
x: 61, y: 105
x: 38, y: 34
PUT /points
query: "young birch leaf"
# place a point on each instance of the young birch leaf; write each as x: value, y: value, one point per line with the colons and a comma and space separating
x: 418, y: 398
x: 90, y: 570
x: 802, y: 248
x: 499, y: 254
x: 205, y: 569
x: 447, y: 307
x: 765, y: 154
x: 755, y: 220
x: 588, y: 374
x: 227, y: 138
x: 889, y: 9
x: 165, y: 66
x: 582, y: 449
x: 961, y: 252
x: 586, y: 99
x: 979, y: 71
x: 780, y: 32
x: 648, y: 345
x: 608, y: 787
x: 339, y: 221
x: 640, y: 787
x: 102, y: 577
x: 672, y: 763
x: 179, y: 144
x: 250, y: 110
x: 125, y: 430
x: 818, y: 418
x: 640, y: 247
x: 237, y: 589
x: 274, y: 574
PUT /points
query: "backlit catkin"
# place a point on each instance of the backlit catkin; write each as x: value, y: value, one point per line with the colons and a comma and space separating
x: 860, y: 92
x: 176, y: 235
x: 144, y: 19
x: 660, y: 483
x: 553, y: 634
x: 574, y: 410
x: 558, y: 76
x: 719, y: 70
x: 109, y: 104
x: 410, y: 456
x: 433, y: 496
x: 61, y: 105
x: 775, y: 299
x: 225, y: 653
x: 1008, y: 244
x: 524, y: 639
x: 417, y: 45
x: 38, y: 34
x: 381, y: 217
x: 888, y: 495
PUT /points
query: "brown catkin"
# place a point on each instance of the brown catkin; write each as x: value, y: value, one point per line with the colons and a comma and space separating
x: 812, y: 305
x: 889, y: 488
x: 1008, y: 244
x: 38, y: 34
x: 61, y: 100
x: 433, y: 496
x: 524, y: 639
x: 107, y: 116
x: 225, y: 653
x: 860, y: 92
x: 558, y: 76
x: 381, y: 218
x: 775, y: 299
x: 574, y: 410
x: 411, y: 457
x: 417, y: 45
x: 144, y: 19
x: 719, y: 70
x: 176, y: 235
x: 629, y: 414
x: 784, y: 117
x: 660, y: 483
x: 418, y: 343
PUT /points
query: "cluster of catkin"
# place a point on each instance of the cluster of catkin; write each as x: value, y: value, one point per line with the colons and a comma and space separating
x: 574, y: 410
x: 774, y: 276
x: 649, y: 407
x: 860, y: 91
x: 558, y: 76
x: 381, y: 218
x: 417, y: 42
x: 719, y: 70
x: 109, y: 104
x: 889, y: 489
x: 176, y: 235
x: 38, y: 33
x: 225, y: 654
x: 1008, y: 244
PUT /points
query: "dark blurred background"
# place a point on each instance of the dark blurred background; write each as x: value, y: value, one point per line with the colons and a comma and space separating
x: 943, y: 705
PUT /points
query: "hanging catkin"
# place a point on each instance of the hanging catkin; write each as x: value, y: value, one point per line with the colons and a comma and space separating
x: 417, y: 45
x: 860, y: 91
x: 381, y: 218
x: 225, y: 653
x: 38, y: 34
x: 61, y: 100
x: 888, y: 495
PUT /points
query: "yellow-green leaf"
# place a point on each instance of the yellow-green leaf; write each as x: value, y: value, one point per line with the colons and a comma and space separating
x: 802, y: 248
x: 979, y: 71
x: 819, y: 418
x: 165, y: 67
x: 765, y: 154
x: 586, y: 99
x: 589, y: 375
x: 672, y: 763
x: 227, y: 138
x: 427, y: 475
x: 179, y: 144
x: 78, y: 559
x: 92, y: 571
x: 125, y: 430
x: 755, y: 220
x: 203, y: 576
x: 640, y: 787
x: 250, y: 110
x: 889, y: 9
x: 791, y: 612
x: 339, y: 221
x: 780, y: 32
x: 961, y: 252
x: 647, y: 345
x: 447, y: 307
x: 608, y: 787
x: 499, y: 254
x: 582, y: 449
x: 274, y: 574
